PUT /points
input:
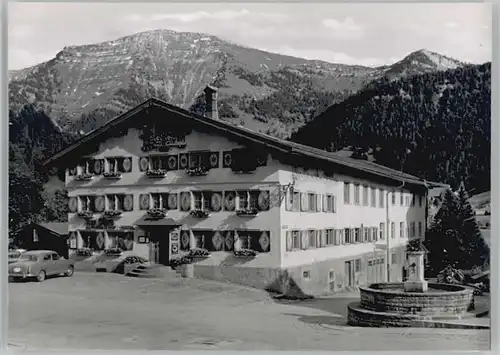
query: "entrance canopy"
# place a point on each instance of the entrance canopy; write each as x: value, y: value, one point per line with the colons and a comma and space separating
x: 148, y: 222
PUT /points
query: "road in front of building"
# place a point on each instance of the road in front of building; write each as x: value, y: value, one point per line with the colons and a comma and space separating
x: 109, y: 311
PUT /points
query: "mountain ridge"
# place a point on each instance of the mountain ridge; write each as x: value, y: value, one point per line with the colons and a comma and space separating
x: 83, y: 87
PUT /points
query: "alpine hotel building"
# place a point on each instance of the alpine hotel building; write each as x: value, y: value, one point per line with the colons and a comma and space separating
x: 159, y: 181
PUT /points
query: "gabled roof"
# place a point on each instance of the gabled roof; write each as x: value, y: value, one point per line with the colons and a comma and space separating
x: 248, y: 135
x: 60, y: 228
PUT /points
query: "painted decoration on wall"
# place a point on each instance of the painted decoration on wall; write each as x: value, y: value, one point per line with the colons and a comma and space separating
x: 128, y: 203
x: 172, y: 162
x: 143, y: 164
x: 144, y: 202
x: 216, y: 201
x: 73, y: 237
x: 229, y: 200
x: 261, y: 159
x: 99, y: 204
x: 183, y: 161
x: 264, y: 241
x: 172, y: 201
x: 99, y: 240
x: 73, y: 204
x: 218, y: 241
x: 185, y: 201
x: 263, y: 200
x: 127, y: 165
x: 214, y: 159
x: 185, y: 239
x: 227, y: 160
x: 72, y: 171
x: 174, y: 238
x: 175, y: 249
x: 229, y: 240
x: 97, y: 167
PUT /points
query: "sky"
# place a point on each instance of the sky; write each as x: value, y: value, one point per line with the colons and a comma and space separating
x: 365, y: 34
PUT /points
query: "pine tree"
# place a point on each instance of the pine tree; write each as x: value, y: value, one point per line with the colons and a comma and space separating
x: 474, y: 249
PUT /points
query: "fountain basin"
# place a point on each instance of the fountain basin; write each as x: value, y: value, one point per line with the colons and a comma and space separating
x: 439, y: 300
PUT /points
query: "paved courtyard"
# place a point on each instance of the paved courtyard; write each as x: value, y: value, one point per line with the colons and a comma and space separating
x: 108, y: 311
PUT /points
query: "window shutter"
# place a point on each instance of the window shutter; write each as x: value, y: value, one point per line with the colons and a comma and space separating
x: 289, y: 200
x: 323, y: 238
x: 334, y: 203
x: 144, y: 202
x: 303, y: 201
x: 319, y: 202
x: 304, y: 239
x: 325, y: 203
x: 289, y: 243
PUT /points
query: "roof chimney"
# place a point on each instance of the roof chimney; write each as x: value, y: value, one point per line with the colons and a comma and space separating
x: 211, y: 102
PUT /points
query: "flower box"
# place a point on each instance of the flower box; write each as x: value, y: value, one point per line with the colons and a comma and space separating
x: 245, y: 253
x: 199, y: 213
x: 198, y: 253
x: 113, y: 252
x: 112, y: 175
x: 248, y: 212
x: 112, y: 213
x: 84, y: 252
x: 86, y: 214
x: 156, y: 174
x: 126, y: 228
x: 157, y: 213
x: 179, y: 261
x: 84, y: 177
x: 197, y: 171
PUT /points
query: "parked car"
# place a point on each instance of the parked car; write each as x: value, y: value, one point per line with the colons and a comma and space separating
x: 39, y: 264
x: 15, y: 254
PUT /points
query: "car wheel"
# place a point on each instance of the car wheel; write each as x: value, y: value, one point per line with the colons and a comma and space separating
x: 41, y: 276
x: 70, y: 272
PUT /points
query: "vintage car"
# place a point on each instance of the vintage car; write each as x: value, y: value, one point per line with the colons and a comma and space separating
x: 39, y: 264
x: 15, y: 254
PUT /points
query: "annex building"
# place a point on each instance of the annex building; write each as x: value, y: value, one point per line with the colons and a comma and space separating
x: 159, y: 181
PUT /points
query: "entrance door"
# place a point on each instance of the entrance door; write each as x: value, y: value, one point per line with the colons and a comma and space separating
x: 154, y: 251
x: 159, y: 244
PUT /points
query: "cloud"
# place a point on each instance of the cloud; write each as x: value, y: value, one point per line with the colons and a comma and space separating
x: 451, y: 25
x: 188, y: 17
x: 347, y: 29
x: 21, y: 58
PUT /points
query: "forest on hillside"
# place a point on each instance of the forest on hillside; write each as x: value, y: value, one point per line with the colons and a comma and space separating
x: 438, y: 124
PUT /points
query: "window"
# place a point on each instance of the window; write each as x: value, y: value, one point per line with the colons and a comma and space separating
x: 381, y: 198
x: 312, y: 204
x: 393, y: 230
x: 341, y: 236
x: 55, y: 256
x: 347, y: 193
x: 295, y: 240
x: 115, y: 202
x: 330, y: 203
x: 348, y: 236
x: 365, y: 195
x: 115, y: 165
x: 87, y: 203
x: 382, y: 231
x: 407, y: 201
x: 412, y: 230
x: 374, y: 197
x: 330, y: 237
x: 393, y: 197
x: 401, y: 198
x: 412, y: 202
x: 47, y: 257
x: 374, y: 234
x: 401, y: 229
x: 357, y: 235
x: 420, y: 229
x: 366, y: 235
x: 243, y: 200
x: 420, y: 200
x: 312, y: 238
x: 198, y: 159
x: 201, y: 200
x: 296, y: 201
x: 304, y: 202
x: 394, y: 258
x: 356, y: 194
x: 306, y: 274
x: 156, y: 163
x: 357, y: 265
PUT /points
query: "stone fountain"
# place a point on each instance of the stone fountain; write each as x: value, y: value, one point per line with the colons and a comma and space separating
x: 413, y: 303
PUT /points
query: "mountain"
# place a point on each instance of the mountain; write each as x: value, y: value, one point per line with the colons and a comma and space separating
x: 85, y: 86
x: 435, y: 125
